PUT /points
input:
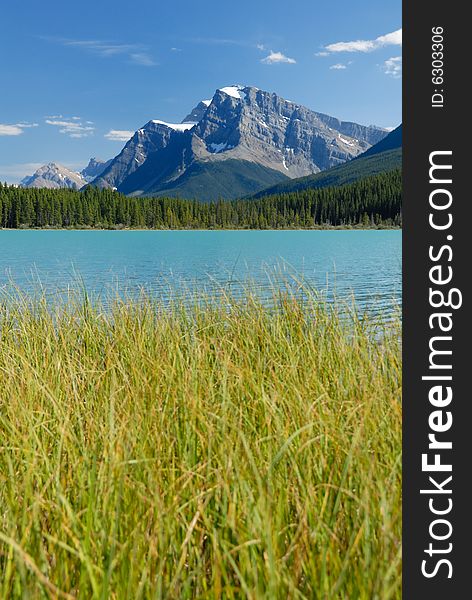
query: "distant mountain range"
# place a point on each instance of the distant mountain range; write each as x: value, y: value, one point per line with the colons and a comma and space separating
x: 55, y: 176
x: 392, y: 141
x: 95, y: 168
x: 238, y: 143
x: 384, y: 156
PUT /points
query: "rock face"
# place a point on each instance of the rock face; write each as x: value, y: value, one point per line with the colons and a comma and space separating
x: 198, y: 112
x: 392, y: 141
x: 53, y: 176
x: 244, y: 125
x: 153, y: 136
x: 251, y: 124
x: 383, y: 157
x: 95, y: 167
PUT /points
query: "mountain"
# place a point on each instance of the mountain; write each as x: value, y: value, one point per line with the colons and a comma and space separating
x: 95, y: 167
x: 53, y: 176
x: 153, y: 136
x: 392, y: 141
x: 248, y: 137
x: 198, y: 112
x: 209, y: 181
x: 383, y: 157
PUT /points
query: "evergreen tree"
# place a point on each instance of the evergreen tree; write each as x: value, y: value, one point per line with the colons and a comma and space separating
x: 371, y: 202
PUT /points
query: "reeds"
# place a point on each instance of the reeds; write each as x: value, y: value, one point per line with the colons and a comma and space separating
x: 219, y: 449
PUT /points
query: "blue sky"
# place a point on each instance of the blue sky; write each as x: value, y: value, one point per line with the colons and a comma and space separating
x: 75, y: 77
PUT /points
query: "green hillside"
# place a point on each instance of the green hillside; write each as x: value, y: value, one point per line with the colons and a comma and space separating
x: 346, y: 173
x: 163, y: 174
x: 382, y: 157
x: 227, y: 179
x: 393, y: 141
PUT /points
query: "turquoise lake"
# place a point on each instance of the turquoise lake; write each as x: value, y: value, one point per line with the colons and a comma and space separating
x: 366, y: 264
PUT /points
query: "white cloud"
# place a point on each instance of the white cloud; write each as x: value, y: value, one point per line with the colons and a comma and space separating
x: 18, y: 171
x: 15, y: 129
x: 220, y: 42
x: 119, y: 135
x: 390, y: 39
x: 322, y: 53
x: 338, y: 67
x: 393, y: 66
x: 277, y: 57
x: 71, y: 127
x: 10, y: 129
x: 141, y: 58
x: 136, y: 54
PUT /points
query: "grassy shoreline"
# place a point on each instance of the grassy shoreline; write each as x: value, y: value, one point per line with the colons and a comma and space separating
x: 222, y: 450
x: 315, y: 228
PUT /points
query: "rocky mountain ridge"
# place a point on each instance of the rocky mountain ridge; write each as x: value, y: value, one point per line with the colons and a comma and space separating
x: 245, y: 125
x: 95, y: 167
x: 241, y: 141
x: 53, y: 176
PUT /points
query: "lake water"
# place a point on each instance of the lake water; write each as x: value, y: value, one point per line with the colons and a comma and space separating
x: 364, y: 263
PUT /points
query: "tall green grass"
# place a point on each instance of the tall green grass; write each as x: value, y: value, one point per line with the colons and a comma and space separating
x: 218, y: 450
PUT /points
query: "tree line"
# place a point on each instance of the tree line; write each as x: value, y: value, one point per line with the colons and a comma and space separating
x: 371, y: 202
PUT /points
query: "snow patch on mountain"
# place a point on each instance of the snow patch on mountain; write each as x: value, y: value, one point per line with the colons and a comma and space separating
x: 345, y: 141
x: 235, y: 91
x: 175, y: 126
x: 215, y: 148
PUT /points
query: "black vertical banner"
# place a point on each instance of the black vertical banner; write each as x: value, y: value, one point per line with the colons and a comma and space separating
x: 437, y: 241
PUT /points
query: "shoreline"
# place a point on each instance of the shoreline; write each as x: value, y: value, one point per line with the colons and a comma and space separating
x: 334, y: 228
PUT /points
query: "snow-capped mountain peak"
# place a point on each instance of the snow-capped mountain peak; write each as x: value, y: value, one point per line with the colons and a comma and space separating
x: 176, y: 126
x: 54, y: 176
x: 235, y: 91
x: 241, y: 141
